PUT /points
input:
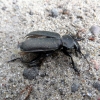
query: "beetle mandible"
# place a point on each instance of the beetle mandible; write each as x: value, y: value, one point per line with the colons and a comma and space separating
x: 45, y: 42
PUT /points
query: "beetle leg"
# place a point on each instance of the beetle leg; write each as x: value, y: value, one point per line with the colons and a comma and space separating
x: 74, y: 67
x: 77, y: 38
x: 37, y: 61
x: 12, y: 60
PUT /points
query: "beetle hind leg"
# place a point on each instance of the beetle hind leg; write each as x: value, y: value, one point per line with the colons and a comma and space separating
x: 36, y: 62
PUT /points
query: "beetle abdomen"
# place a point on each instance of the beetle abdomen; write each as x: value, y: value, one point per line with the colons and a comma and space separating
x: 40, y: 44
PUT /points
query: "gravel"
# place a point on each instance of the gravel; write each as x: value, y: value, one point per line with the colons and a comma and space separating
x: 54, y: 12
x: 75, y: 87
x: 30, y: 73
x: 95, y: 30
x: 97, y: 86
x: 54, y: 79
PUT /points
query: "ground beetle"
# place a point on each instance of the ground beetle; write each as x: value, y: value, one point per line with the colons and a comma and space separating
x: 45, y: 43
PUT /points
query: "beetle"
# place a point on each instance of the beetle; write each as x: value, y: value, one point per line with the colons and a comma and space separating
x: 45, y: 43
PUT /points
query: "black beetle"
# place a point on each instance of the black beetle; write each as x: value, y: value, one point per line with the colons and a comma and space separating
x: 45, y: 43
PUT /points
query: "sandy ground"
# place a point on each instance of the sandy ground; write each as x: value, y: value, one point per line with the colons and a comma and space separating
x: 56, y: 78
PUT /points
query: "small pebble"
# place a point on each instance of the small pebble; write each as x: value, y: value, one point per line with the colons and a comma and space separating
x: 75, y: 87
x: 92, y: 38
x: 30, y: 73
x: 54, y: 12
x: 98, y: 98
x: 61, y: 92
x: 43, y: 74
x: 98, y: 79
x: 31, y: 13
x: 16, y: 8
x: 96, y: 65
x: 86, y: 55
x: 4, y: 8
x: 52, y: 82
x: 87, y: 97
x: 62, y: 17
x: 1, y: 51
x: 95, y: 30
x: 97, y: 86
x: 14, y: 1
x: 10, y: 80
x: 65, y: 11
x: 80, y: 17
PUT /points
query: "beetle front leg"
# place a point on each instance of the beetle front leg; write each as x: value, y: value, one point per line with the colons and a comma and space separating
x: 74, y: 67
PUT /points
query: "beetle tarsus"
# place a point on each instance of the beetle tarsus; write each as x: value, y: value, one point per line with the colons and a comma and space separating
x: 76, y: 70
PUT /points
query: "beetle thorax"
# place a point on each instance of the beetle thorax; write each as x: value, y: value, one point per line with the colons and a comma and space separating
x: 67, y: 41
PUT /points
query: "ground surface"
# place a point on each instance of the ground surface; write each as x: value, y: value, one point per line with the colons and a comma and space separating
x: 56, y: 80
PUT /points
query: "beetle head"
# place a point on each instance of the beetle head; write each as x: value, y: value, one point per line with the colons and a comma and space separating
x: 70, y: 43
